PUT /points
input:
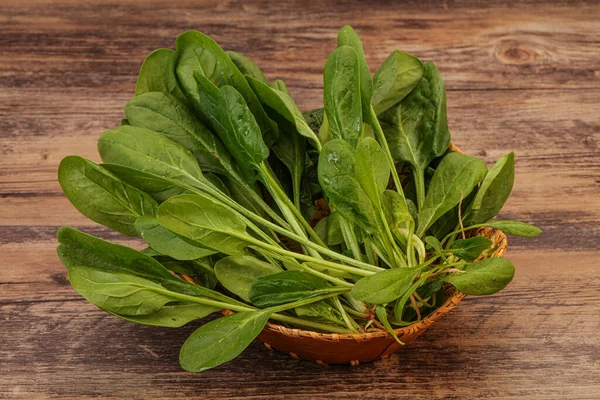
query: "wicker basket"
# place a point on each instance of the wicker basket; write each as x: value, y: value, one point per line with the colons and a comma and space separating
x: 335, y: 348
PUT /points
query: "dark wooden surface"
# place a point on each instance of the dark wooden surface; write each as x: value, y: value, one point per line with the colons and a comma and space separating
x: 522, y: 77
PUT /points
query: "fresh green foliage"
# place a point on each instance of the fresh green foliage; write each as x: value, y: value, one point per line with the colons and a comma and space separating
x: 157, y: 186
x: 286, y: 287
x: 168, y: 243
x: 483, y: 277
x: 453, y: 179
x: 221, y: 340
x: 206, y: 221
x: 342, y: 95
x: 119, y: 293
x: 329, y: 229
x: 493, y: 192
x: 395, y: 79
x: 101, y: 196
x: 161, y: 112
x: 516, y: 228
x: 171, y: 316
x: 350, y: 218
x: 150, y: 152
x: 385, y: 286
x: 348, y: 37
x: 230, y: 117
x: 158, y: 75
x: 247, y: 66
x: 281, y: 102
x: 417, y: 128
x: 196, y: 53
x: 79, y: 249
x: 471, y: 248
x: 237, y: 274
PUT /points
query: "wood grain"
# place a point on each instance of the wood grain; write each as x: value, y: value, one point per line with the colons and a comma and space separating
x: 521, y: 77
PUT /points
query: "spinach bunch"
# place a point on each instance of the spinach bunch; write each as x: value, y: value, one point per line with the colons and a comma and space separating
x: 218, y: 171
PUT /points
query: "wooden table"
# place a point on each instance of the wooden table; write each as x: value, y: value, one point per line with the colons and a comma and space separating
x: 522, y: 77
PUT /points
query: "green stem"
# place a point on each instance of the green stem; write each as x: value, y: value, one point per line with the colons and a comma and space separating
x: 350, y: 323
x: 205, y: 188
x: 247, y: 214
x: 304, y: 257
x: 294, y: 224
x: 327, y: 252
x: 371, y: 255
x: 308, y: 324
x: 261, y: 202
x: 306, y: 268
x: 352, y: 311
x: 350, y: 239
x: 374, y: 122
x: 410, y: 254
x: 266, y: 173
x: 276, y: 310
x: 456, y: 232
x: 419, y: 178
x: 395, y: 251
x: 303, y: 302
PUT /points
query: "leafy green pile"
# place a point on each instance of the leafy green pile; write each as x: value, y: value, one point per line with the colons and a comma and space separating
x: 219, y: 172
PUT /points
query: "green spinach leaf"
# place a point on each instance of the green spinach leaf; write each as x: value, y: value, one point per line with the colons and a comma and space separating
x: 454, y: 179
x: 101, y: 196
x: 246, y: 66
x: 385, y: 286
x: 417, y: 129
x: 197, y: 53
x: 78, y: 248
x: 337, y: 175
x: 221, y: 340
x: 372, y: 169
x: 341, y: 95
x: 286, y: 287
x: 150, y: 152
x: 348, y: 37
x: 119, y: 293
x: 158, y: 75
x: 483, y: 277
x: 395, y: 79
x: 236, y: 274
x: 206, y: 221
x: 471, y: 248
x: 159, y: 187
x: 167, y: 242
x: 172, y: 316
x: 281, y: 102
x: 493, y: 192
x: 234, y: 124
x: 516, y: 228
x: 161, y: 112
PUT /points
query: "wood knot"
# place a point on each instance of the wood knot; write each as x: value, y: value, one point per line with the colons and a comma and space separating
x: 516, y: 53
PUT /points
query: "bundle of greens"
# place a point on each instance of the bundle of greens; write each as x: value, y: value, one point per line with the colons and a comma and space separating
x: 219, y: 172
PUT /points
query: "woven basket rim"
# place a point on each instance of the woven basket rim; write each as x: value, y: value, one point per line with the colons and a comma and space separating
x: 500, y: 241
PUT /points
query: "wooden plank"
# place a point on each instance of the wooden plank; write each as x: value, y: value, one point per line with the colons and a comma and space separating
x: 507, y: 347
x: 520, y: 76
x: 492, y: 45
